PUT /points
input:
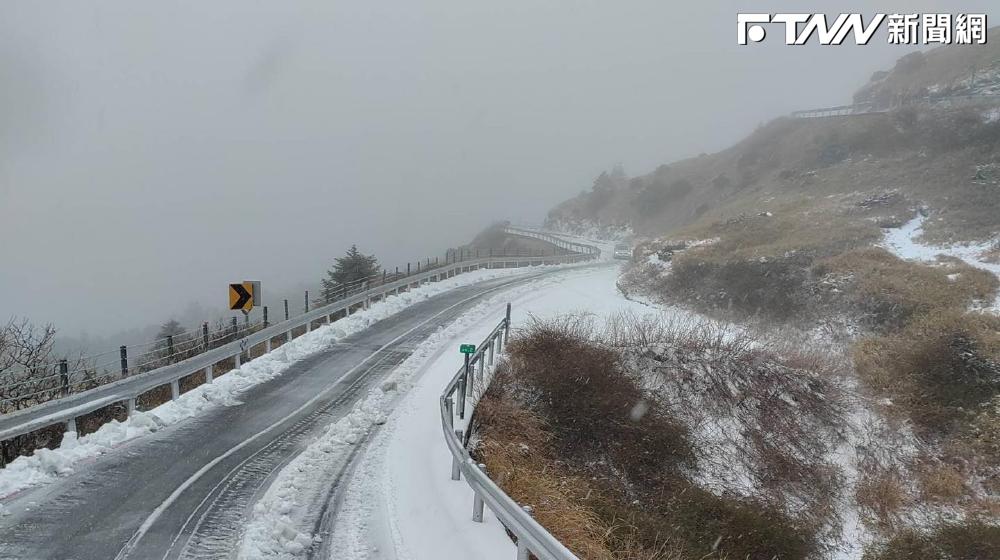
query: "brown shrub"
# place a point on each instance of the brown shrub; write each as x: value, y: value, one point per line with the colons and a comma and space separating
x: 514, y: 444
x: 762, y: 264
x: 971, y: 541
x: 92, y: 421
x: 941, y: 483
x: 890, y: 292
x: 560, y: 430
x: 882, y: 493
x: 940, y: 369
x: 49, y: 437
x: 984, y: 432
x: 771, y: 287
x: 192, y: 381
x: 153, y: 398
x: 588, y: 403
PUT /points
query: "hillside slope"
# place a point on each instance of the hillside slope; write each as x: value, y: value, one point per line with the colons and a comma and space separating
x: 866, y: 246
x: 922, y: 154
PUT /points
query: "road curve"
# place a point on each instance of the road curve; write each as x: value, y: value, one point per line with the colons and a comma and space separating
x: 185, y: 491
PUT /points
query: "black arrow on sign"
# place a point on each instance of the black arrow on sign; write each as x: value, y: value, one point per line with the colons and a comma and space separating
x: 245, y: 296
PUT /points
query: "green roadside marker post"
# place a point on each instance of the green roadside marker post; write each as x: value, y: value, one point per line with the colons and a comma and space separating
x: 464, y: 389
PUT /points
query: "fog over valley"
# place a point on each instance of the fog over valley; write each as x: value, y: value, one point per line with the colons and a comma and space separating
x: 151, y: 153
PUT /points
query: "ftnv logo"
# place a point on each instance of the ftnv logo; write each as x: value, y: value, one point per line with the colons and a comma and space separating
x: 901, y: 29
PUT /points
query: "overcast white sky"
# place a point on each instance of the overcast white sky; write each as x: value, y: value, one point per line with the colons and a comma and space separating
x: 152, y: 152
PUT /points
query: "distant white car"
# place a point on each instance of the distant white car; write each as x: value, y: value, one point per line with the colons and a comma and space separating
x: 623, y: 251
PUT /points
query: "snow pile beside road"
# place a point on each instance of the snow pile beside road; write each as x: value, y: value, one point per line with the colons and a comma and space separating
x: 45, y: 465
x: 275, y: 529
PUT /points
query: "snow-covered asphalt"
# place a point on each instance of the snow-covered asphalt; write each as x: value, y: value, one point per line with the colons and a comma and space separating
x: 200, y: 486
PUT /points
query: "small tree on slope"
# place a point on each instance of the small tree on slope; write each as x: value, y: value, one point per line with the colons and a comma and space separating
x: 352, y: 267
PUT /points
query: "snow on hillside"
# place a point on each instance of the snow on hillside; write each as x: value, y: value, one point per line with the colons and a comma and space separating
x: 401, y: 502
x: 583, y: 229
x: 904, y: 243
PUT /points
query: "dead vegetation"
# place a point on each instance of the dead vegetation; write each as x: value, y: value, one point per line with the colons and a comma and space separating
x: 780, y: 231
x: 940, y: 369
x: 970, y: 541
x: 608, y: 462
x: 885, y: 293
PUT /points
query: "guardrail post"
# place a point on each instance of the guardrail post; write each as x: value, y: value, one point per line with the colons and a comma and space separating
x: 288, y: 336
x: 307, y: 302
x: 236, y: 360
x: 477, y: 501
x: 463, y: 382
x: 460, y: 396
x: 64, y: 376
x: 450, y: 406
x: 492, y: 341
x: 522, y: 549
x: 265, y: 320
x: 170, y: 347
x: 456, y: 471
x: 267, y: 346
x: 204, y: 334
x: 470, y: 382
x: 506, y: 325
x: 236, y: 329
x: 71, y: 425
x: 130, y: 406
x: 175, y: 390
x: 123, y: 352
x: 208, y: 374
x: 286, y: 309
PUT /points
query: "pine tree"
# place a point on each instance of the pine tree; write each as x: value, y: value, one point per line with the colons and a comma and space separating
x: 352, y: 267
x: 170, y: 328
x: 163, y: 353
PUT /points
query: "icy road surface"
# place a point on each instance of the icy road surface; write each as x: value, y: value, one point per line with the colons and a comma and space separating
x: 187, y: 489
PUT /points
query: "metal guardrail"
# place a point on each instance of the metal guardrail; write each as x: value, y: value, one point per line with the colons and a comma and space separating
x: 554, y: 240
x: 67, y: 409
x: 837, y: 111
x: 460, y: 394
x: 871, y: 108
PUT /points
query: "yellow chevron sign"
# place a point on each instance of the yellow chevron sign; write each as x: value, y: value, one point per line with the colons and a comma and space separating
x: 241, y: 297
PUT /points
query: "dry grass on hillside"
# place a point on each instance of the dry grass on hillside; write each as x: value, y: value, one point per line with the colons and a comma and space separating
x: 945, y: 159
x: 971, y: 541
x: 564, y: 428
x: 887, y: 293
x: 940, y: 369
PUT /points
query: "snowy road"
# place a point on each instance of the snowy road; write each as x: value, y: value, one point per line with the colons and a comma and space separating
x: 400, y: 503
x: 186, y: 491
